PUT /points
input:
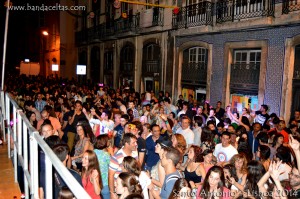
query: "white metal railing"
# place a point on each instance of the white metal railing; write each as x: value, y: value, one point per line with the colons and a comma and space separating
x: 20, y: 129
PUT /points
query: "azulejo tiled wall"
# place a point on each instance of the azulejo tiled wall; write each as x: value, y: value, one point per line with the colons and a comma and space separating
x: 275, y: 37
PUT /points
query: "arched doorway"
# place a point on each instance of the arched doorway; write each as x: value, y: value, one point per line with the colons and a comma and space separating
x: 127, y: 66
x: 296, y: 82
x: 151, y: 70
x: 95, y: 64
x: 194, y: 73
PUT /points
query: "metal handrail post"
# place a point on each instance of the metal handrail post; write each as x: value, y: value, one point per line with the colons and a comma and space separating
x: 34, y: 167
x: 25, y: 153
x: 15, y: 143
x: 49, y: 178
x: 7, y: 113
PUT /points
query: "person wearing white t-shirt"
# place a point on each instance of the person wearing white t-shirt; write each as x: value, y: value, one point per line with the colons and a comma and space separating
x: 185, y: 130
x: 224, y: 151
x: 105, y: 124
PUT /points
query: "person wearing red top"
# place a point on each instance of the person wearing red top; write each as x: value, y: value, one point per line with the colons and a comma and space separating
x: 213, y: 185
x: 91, y: 179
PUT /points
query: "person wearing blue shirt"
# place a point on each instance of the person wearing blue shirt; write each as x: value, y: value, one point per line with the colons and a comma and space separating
x: 151, y: 157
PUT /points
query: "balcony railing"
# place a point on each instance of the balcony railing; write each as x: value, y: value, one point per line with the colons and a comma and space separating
x: 194, y: 15
x: 245, y: 78
x: 127, y: 24
x: 126, y: 67
x: 231, y: 10
x: 151, y: 66
x: 194, y: 73
x: 290, y: 6
x: 152, y: 17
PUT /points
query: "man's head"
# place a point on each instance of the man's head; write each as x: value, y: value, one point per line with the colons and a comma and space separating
x: 131, y: 104
x: 78, y: 105
x: 45, y: 114
x: 106, y: 114
x: 155, y: 131
x: 264, y: 108
x: 167, y: 101
x: 219, y: 104
x: 212, y: 112
x: 294, y: 177
x: 61, y: 151
x: 47, y: 130
x: 124, y: 119
x: 185, y: 122
x: 225, y: 139
x: 39, y: 96
x: 129, y: 142
x: 170, y: 157
x: 119, y: 101
x: 231, y: 129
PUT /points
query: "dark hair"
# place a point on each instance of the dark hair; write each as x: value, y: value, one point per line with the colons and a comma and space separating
x: 179, y: 184
x: 265, y: 107
x: 204, y: 192
x: 52, y: 140
x: 131, y: 165
x: 284, y: 154
x: 263, y: 137
x: 197, y: 151
x: 134, y: 196
x: 255, y: 171
x: 227, y: 120
x: 206, y: 135
x: 61, y: 151
x: 226, y: 133
x: 129, y: 180
x: 127, y: 138
x: 198, y: 120
x: 65, y: 193
x: 245, y: 121
x: 166, y: 99
x: 275, y: 139
x: 125, y: 116
x: 101, y: 142
x: 265, y: 152
x: 241, y: 130
x: 88, y: 131
x: 173, y: 154
x: 232, y: 171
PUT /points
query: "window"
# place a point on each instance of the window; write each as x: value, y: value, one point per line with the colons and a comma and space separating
x: 108, y: 60
x: 247, y: 57
x: 197, y: 55
x: 150, y: 52
x: 245, y: 71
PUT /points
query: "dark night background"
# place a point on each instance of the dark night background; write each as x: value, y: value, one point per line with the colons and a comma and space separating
x: 23, y: 34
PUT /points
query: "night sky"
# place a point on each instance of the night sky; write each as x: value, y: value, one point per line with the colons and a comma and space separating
x: 23, y: 35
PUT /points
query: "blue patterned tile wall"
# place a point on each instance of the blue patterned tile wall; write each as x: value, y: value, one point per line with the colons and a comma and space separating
x: 275, y: 36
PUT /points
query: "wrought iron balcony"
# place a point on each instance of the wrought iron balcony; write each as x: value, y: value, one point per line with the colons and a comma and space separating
x: 290, y: 6
x: 151, y: 66
x: 194, y: 74
x: 126, y: 67
x: 231, y: 10
x: 151, y: 17
x: 194, y: 15
x: 131, y: 23
x: 245, y: 78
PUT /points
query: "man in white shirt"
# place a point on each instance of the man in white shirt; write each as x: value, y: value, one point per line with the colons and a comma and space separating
x: 185, y: 130
x: 122, y: 107
x: 105, y: 124
x: 224, y: 151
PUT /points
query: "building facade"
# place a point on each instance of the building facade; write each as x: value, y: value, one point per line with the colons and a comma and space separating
x: 244, y: 52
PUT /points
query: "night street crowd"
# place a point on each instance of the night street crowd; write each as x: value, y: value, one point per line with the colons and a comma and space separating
x: 119, y: 143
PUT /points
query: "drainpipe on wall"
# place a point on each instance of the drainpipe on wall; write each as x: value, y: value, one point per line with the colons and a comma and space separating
x: 174, y: 63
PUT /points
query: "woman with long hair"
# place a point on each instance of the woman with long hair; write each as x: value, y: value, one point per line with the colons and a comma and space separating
x: 181, y: 190
x: 101, y: 150
x: 213, y: 185
x: 240, y: 164
x: 91, y: 179
x: 81, y: 146
x: 192, y: 170
x: 207, y: 139
x: 32, y: 118
x: 255, y: 172
x: 230, y: 172
x: 263, y: 153
x: 277, y: 142
x: 179, y: 143
x: 130, y: 165
x: 127, y: 184
x: 207, y: 161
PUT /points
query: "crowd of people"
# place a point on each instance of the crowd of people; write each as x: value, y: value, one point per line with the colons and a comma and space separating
x: 118, y: 143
